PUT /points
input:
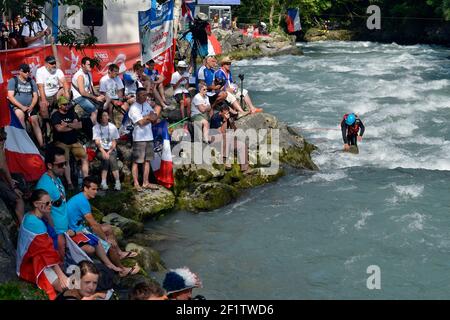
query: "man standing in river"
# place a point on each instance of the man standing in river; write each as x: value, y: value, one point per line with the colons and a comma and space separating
x: 352, y: 130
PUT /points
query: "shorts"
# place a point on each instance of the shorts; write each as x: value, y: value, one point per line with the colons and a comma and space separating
x: 94, y: 239
x: 142, y: 151
x: 76, y: 149
x: 200, y: 117
x: 50, y: 274
x: 111, y: 163
x: 34, y: 112
x: 231, y: 98
x: 179, y: 97
x: 8, y: 195
x: 86, y: 104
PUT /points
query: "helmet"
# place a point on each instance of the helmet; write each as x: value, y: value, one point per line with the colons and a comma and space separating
x: 350, y: 119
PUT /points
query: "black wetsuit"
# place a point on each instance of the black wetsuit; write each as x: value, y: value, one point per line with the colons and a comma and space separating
x: 349, y: 134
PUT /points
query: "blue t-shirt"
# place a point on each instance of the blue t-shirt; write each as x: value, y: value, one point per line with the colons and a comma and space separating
x: 77, y: 207
x: 220, y: 74
x: 56, y: 190
x: 209, y: 76
x: 34, y: 224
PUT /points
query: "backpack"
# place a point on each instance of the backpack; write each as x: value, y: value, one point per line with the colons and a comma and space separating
x: 21, y: 38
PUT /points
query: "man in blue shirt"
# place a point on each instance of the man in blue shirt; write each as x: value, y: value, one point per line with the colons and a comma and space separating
x: 81, y: 220
x: 224, y: 75
x: 55, y: 161
x: 206, y: 76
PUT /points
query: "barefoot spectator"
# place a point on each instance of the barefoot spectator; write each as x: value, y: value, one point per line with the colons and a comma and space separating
x: 66, y: 124
x: 105, y: 135
x: 142, y: 115
x: 224, y: 73
x: 37, y: 260
x: 23, y: 97
x: 101, y: 237
x: 180, y: 83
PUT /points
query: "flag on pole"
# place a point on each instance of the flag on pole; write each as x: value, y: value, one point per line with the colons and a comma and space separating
x: 162, y: 163
x: 22, y: 155
x: 188, y: 9
x: 293, y: 20
x: 156, y: 36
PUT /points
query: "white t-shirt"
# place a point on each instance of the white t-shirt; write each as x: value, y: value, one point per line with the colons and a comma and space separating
x: 198, y: 100
x: 87, y: 83
x: 111, y: 86
x: 136, y: 113
x: 106, y: 134
x: 49, y: 80
x: 182, y: 86
x: 35, y: 29
x: 201, y: 73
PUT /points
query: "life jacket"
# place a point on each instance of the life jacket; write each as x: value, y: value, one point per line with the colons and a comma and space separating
x: 352, y: 130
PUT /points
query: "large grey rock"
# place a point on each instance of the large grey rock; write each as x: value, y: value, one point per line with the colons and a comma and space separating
x: 147, y: 257
x: 207, y: 196
x: 8, y: 232
x: 128, y: 226
x: 151, y: 202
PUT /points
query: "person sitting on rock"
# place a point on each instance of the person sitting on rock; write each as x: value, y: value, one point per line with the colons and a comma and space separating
x: 180, y: 83
x: 99, y: 236
x: 89, y: 278
x: 223, y: 122
x: 352, y: 130
x: 105, y: 135
x: 224, y: 74
x: 206, y: 76
x: 37, y: 260
x: 147, y: 291
x: 179, y: 283
x: 201, y: 111
x: 111, y: 86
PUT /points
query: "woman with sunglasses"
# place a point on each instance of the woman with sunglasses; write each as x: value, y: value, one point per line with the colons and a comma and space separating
x: 37, y: 260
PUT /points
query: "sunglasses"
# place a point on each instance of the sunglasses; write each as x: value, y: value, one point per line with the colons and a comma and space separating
x: 26, y: 71
x: 46, y: 203
x: 60, y: 165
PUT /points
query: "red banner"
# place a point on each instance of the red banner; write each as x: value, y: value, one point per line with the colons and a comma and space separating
x: 124, y: 55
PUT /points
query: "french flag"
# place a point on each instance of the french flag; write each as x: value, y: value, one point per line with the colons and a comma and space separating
x: 188, y: 8
x: 293, y: 20
x: 214, y: 47
x: 22, y: 155
x: 35, y: 252
x: 162, y: 163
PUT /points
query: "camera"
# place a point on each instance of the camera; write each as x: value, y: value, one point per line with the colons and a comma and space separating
x: 241, y: 76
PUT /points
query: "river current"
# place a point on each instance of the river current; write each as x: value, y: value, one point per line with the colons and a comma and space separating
x: 312, y: 235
